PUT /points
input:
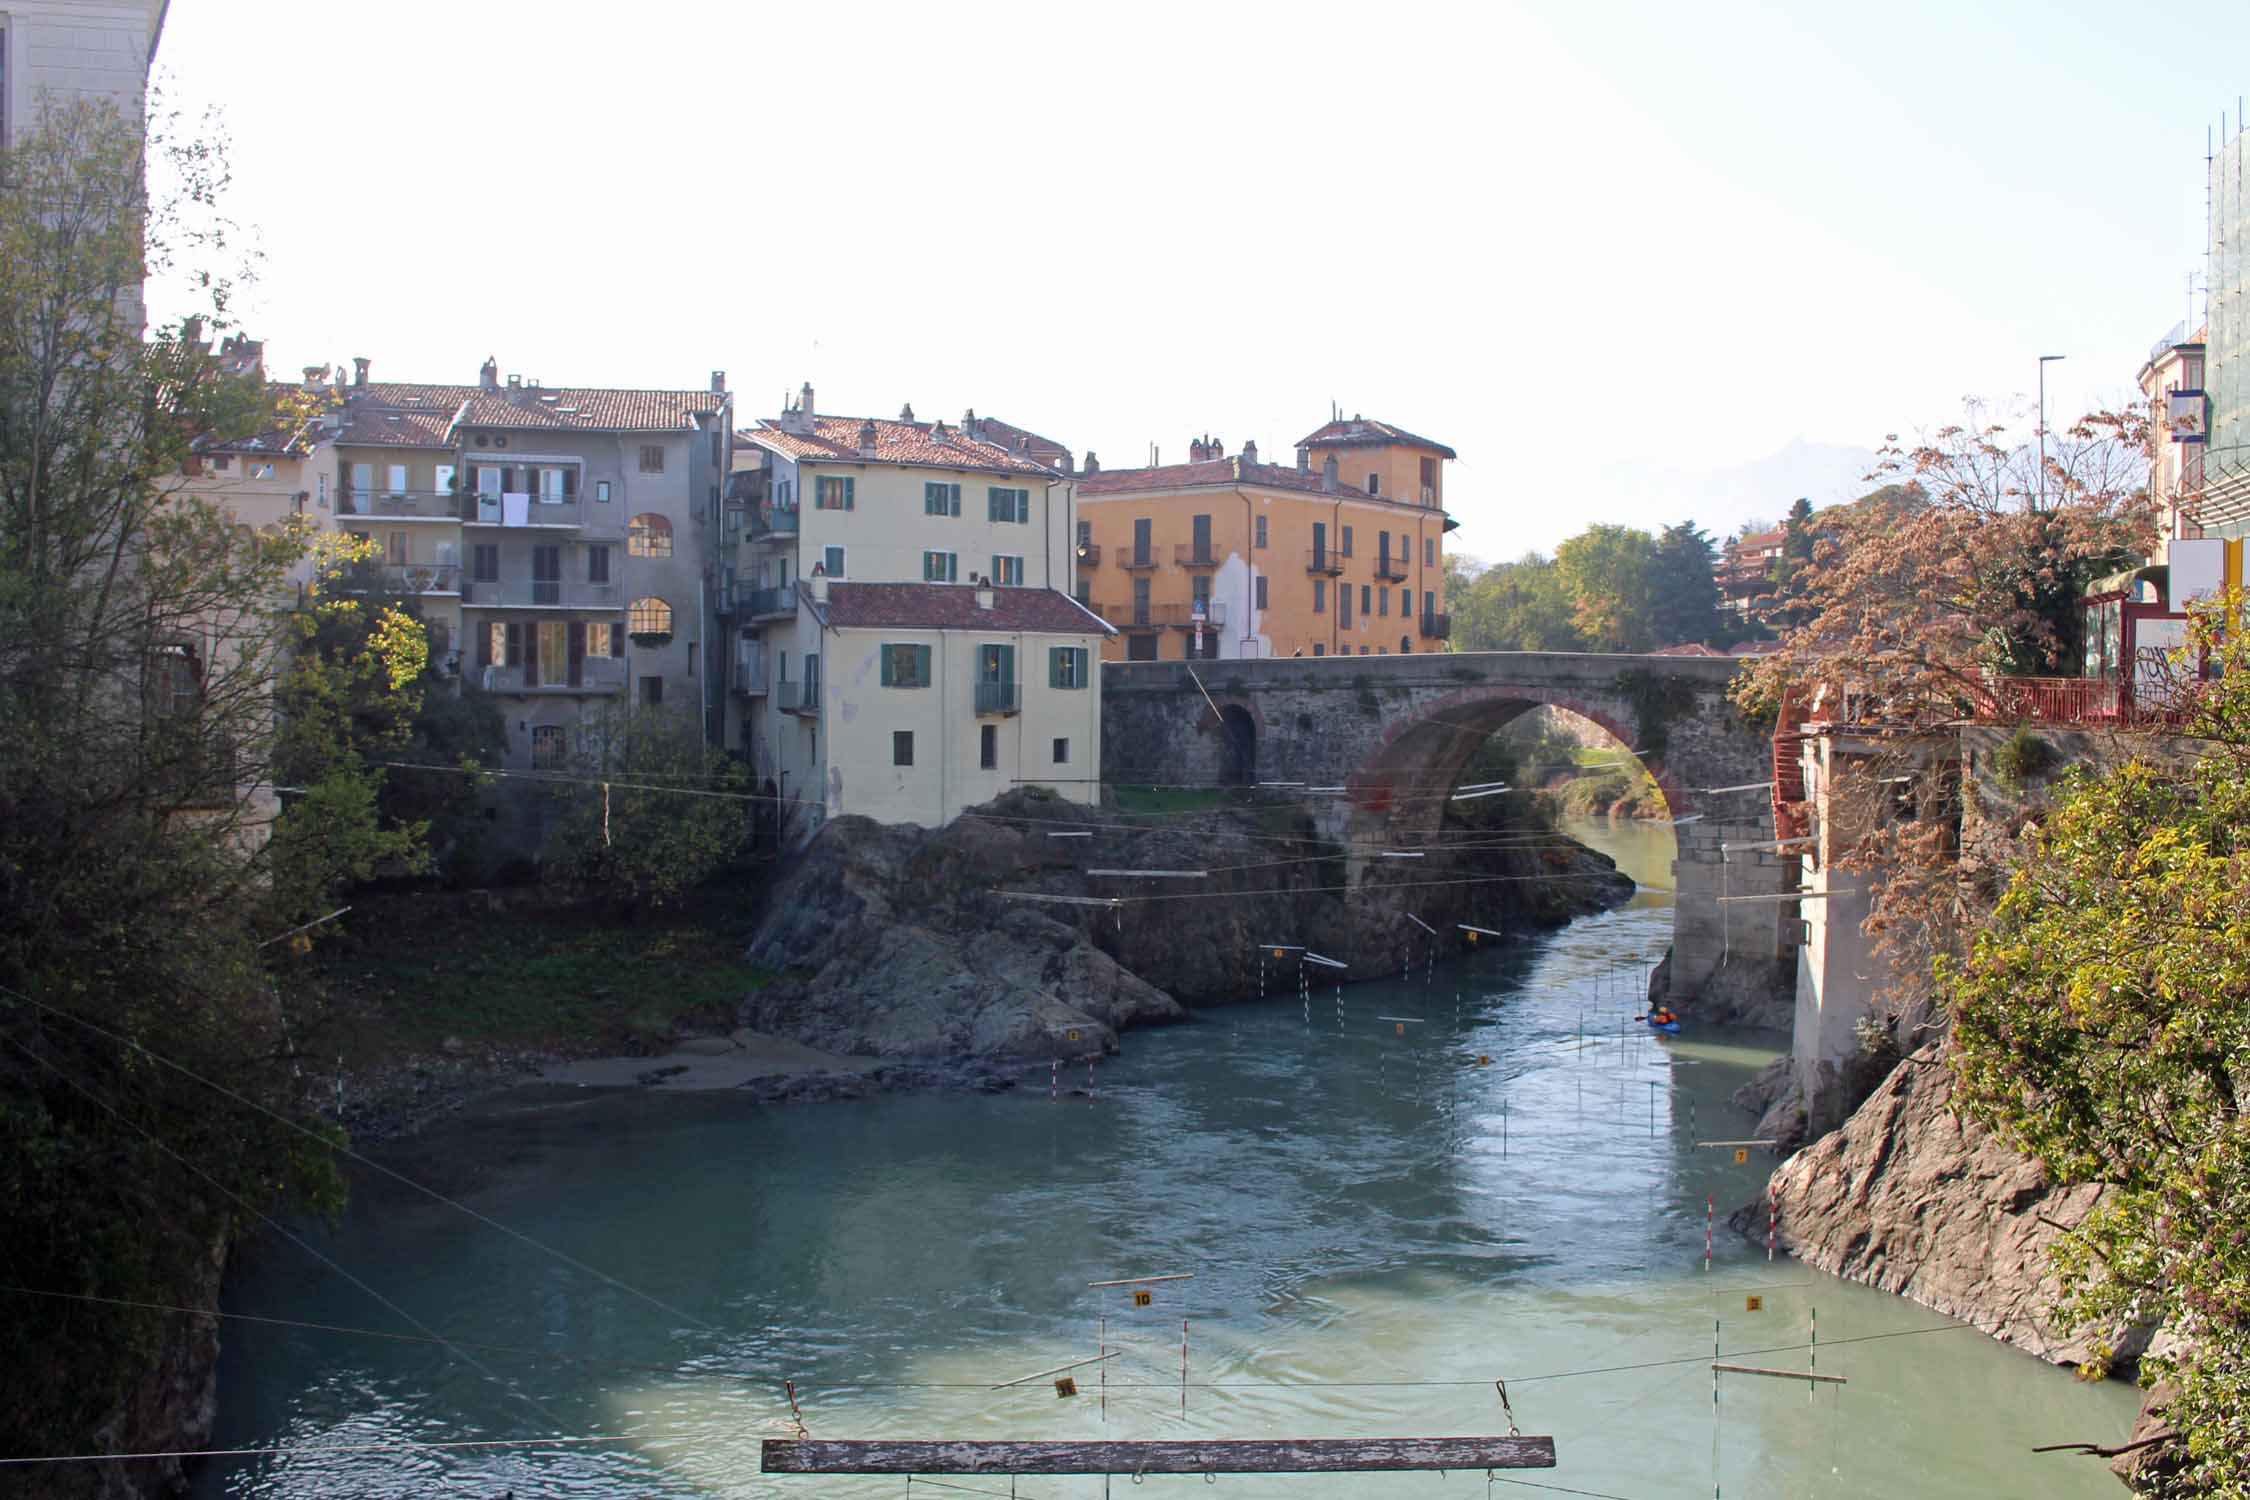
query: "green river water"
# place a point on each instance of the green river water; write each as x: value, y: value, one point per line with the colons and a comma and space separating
x: 1378, y: 1227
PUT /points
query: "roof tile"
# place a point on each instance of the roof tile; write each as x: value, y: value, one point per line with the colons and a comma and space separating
x: 1366, y: 432
x: 836, y: 439
x: 1211, y: 471
x: 953, y: 606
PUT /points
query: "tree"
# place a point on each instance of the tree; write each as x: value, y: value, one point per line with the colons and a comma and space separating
x: 1517, y: 606
x: 141, y: 639
x: 2102, y: 1023
x: 1609, y: 572
x: 1797, y: 535
x: 653, y: 810
x: 1684, y: 584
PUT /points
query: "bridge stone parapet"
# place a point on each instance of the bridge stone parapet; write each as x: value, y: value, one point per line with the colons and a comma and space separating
x: 1397, y: 731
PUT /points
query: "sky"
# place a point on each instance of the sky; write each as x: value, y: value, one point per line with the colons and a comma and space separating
x: 1636, y: 263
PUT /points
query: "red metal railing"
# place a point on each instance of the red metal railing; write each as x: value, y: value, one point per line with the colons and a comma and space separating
x: 2061, y: 700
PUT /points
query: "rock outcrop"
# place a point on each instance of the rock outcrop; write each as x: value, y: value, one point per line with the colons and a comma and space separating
x: 1911, y: 1198
x: 898, y: 941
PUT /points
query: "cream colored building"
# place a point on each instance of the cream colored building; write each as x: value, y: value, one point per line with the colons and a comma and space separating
x: 819, y: 502
x: 66, y: 50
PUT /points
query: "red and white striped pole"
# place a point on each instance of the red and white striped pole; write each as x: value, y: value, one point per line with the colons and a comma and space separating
x: 1706, y: 1232
x: 1054, y: 1081
x: 1183, y: 1365
x: 1773, y: 1213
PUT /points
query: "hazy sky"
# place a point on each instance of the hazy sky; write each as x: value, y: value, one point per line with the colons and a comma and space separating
x: 1611, y: 253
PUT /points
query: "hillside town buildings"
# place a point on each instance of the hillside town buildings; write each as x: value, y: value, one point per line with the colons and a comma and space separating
x: 1219, y: 557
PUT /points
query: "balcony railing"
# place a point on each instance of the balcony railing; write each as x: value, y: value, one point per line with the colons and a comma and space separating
x: 750, y: 674
x: 594, y: 674
x: 513, y: 510
x: 1139, y: 562
x: 427, y: 505
x: 540, y: 593
x: 2060, y: 700
x: 1195, y: 555
x: 1089, y: 554
x: 1390, y: 569
x: 1436, y: 626
x: 402, y: 578
x: 1154, y: 616
x: 997, y: 698
x: 769, y: 604
x: 769, y: 519
x: 1324, y: 560
x: 797, y: 697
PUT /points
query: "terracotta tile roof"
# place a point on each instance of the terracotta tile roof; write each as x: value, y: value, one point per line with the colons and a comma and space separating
x: 413, y: 394
x: 1040, y: 450
x: 584, y: 409
x: 1209, y: 472
x: 415, y: 427
x: 292, y: 431
x: 1366, y: 432
x: 1759, y: 539
x: 953, y: 606
x: 938, y: 446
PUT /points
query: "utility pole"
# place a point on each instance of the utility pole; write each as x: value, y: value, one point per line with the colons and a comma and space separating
x: 2044, y: 361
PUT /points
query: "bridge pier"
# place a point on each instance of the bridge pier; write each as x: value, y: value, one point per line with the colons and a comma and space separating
x: 1708, y: 929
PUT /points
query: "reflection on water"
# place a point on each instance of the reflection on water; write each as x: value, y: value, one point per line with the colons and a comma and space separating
x: 1379, y: 1226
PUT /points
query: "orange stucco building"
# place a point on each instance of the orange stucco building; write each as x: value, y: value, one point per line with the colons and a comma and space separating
x: 1341, y: 553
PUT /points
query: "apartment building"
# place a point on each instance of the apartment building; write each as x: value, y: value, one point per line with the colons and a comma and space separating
x: 67, y: 50
x: 1342, y: 554
x: 903, y: 645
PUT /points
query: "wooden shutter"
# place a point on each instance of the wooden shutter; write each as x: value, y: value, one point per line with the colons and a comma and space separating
x: 890, y: 677
x: 1055, y: 665
x: 1081, y: 666
x: 484, y: 644
x: 921, y: 666
x: 514, y: 647
x: 616, y: 640
x: 531, y: 655
x: 570, y: 483
x: 1008, y: 664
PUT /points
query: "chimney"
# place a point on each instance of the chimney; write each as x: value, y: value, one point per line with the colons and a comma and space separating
x: 1196, y: 451
x: 359, y: 372
x: 969, y: 424
x: 906, y: 412
x: 314, y: 375
x: 489, y: 375
x: 1218, y: 448
x: 1250, y: 451
x: 1328, y: 474
x: 984, y: 593
x: 1093, y: 462
x: 1066, y: 464
x: 515, y: 382
x: 718, y: 382
x: 819, y: 583
x: 804, y: 401
x: 191, y: 333
x: 867, y: 438
x: 1304, y: 458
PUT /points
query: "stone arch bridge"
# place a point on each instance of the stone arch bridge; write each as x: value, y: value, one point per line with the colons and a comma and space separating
x: 1397, y: 731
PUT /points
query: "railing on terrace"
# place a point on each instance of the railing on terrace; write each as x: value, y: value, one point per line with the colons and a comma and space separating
x: 1436, y: 626
x: 996, y: 698
x: 403, y: 578
x: 1390, y: 569
x: 1139, y: 562
x: 1157, y: 616
x: 1195, y: 555
x: 1324, y: 560
x: 771, y: 519
x: 1089, y: 554
x: 594, y: 674
x: 767, y: 603
x: 428, y: 505
x: 540, y: 593
x: 750, y: 674
x: 797, y: 697
x: 2061, y: 700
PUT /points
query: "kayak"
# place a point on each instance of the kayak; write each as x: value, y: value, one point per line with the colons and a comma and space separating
x: 1664, y: 1026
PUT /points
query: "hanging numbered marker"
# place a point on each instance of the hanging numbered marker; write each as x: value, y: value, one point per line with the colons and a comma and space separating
x: 1741, y: 1155
x: 1753, y: 1304
x: 1142, y: 1296
x: 1066, y: 1387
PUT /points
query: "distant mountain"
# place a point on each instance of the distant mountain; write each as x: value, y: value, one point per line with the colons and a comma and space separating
x: 1719, y: 500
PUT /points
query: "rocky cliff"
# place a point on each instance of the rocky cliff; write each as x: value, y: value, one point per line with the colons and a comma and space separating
x: 899, y: 942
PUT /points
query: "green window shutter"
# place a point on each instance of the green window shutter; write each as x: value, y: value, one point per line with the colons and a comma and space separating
x: 889, y: 678
x: 848, y: 487
x: 953, y: 499
x: 921, y: 666
x: 1008, y: 664
x: 1083, y: 666
x: 952, y: 567
x: 1054, y: 666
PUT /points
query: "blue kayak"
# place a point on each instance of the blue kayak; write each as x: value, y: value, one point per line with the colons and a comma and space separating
x: 1664, y: 1026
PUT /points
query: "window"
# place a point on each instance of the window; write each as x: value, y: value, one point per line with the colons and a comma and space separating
x: 652, y: 691
x: 1199, y: 593
x: 1140, y: 648
x: 988, y: 747
x: 554, y: 648
x: 1066, y: 666
x: 485, y: 563
x: 395, y: 548
x: 261, y: 471
x: 832, y: 492
x: 1429, y: 604
x: 1141, y: 529
x: 1344, y: 605
x: 1007, y: 570
x: 1429, y: 552
x: 1406, y: 645
x: 1365, y: 593
x: 601, y: 492
x: 394, y: 479
x: 650, y: 535
x: 940, y: 499
x: 1062, y: 751
x: 832, y: 561
x: 649, y: 616
x: 1319, y: 649
x: 363, y: 479
x: 597, y: 563
x: 1429, y: 477
x: 905, y: 665
x: 322, y: 500
x: 902, y: 747
x: 1262, y: 591
x: 602, y: 639
x: 1374, y: 483
x: 1007, y: 505
x: 548, y: 746
x: 553, y: 486
x: 1382, y: 603
x: 652, y: 458
x: 492, y: 644
x: 940, y: 567
x: 1344, y: 541
x: 1085, y: 533
x: 1320, y: 596
x: 1363, y: 650
x: 1258, y: 538
x: 546, y: 575
x: 1405, y: 603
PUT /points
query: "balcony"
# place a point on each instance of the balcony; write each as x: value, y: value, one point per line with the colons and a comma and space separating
x: 401, y: 505
x: 540, y: 593
x: 769, y: 604
x: 2060, y: 700
x: 998, y: 698
x: 1139, y: 562
x: 1436, y: 626
x: 773, y: 522
x: 750, y: 674
x: 594, y: 674
x: 434, y: 579
x: 798, y: 697
x: 1195, y: 555
x: 1089, y: 554
x: 521, y: 512
x: 1390, y: 569
x: 1162, y: 616
x: 1324, y: 560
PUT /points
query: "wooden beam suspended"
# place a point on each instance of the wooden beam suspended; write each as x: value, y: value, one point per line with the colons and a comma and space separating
x: 1227, y: 1456
x: 1782, y: 1374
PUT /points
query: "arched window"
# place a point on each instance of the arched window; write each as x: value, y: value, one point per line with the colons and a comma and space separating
x: 649, y: 616
x: 649, y: 536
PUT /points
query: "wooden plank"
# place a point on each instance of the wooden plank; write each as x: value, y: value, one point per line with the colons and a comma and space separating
x: 1091, y: 1359
x: 1227, y: 1456
x: 1782, y: 1374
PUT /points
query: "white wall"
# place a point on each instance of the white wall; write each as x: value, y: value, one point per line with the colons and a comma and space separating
x: 74, y: 49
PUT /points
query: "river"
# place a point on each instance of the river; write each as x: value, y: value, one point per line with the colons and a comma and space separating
x: 1378, y: 1225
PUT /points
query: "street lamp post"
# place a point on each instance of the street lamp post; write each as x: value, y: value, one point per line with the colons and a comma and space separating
x: 2044, y: 361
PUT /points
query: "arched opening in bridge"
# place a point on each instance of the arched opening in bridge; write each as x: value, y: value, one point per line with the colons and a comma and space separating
x: 1239, y: 765
x: 1579, y: 779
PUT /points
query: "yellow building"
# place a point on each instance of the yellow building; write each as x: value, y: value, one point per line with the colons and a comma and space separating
x: 1342, y: 554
